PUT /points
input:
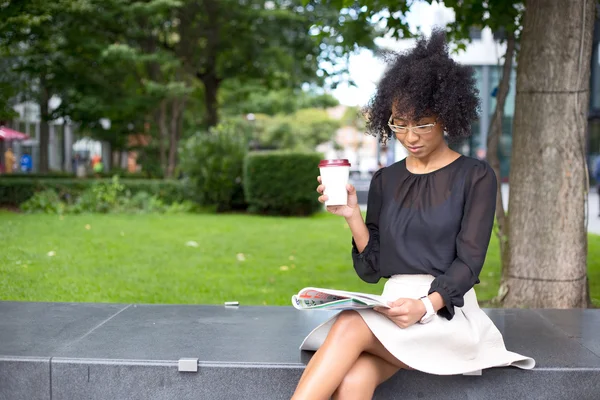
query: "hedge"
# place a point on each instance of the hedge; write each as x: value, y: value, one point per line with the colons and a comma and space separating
x: 14, y: 191
x: 69, y: 175
x: 282, y: 183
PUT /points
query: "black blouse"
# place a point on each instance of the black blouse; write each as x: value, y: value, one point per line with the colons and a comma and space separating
x: 437, y: 223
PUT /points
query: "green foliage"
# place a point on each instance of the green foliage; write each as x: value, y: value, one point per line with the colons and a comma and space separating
x: 14, y: 192
x: 303, y: 130
x: 144, y: 65
x: 47, y: 202
x: 50, y: 175
x: 354, y: 117
x: 213, y: 162
x: 149, y: 161
x: 102, y: 197
x: 282, y: 183
x: 239, y: 98
x: 501, y: 16
x: 123, y: 174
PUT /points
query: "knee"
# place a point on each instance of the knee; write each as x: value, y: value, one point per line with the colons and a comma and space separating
x: 355, y: 385
x: 349, y: 319
x: 349, y: 325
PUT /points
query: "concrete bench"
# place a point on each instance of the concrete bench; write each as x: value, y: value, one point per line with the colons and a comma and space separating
x: 66, y: 351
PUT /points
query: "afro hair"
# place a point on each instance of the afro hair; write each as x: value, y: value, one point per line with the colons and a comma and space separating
x: 425, y: 81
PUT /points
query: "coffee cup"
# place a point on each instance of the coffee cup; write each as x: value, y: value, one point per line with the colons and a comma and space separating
x: 334, y: 176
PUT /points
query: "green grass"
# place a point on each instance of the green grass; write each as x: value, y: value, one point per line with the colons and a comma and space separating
x: 145, y: 259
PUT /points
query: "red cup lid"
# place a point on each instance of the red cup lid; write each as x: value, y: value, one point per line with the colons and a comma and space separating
x: 334, y: 163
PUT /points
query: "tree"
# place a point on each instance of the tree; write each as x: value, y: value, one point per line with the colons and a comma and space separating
x: 543, y: 240
x: 302, y: 130
x: 547, y: 241
x: 9, y: 89
x: 122, y: 41
x: 276, y: 43
x: 503, y: 17
x: 31, y: 36
x: 169, y: 52
x: 254, y: 98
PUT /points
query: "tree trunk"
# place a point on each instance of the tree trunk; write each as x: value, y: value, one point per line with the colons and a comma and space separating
x: 163, y: 135
x: 493, y: 142
x: 211, y: 88
x: 177, y: 107
x: 44, y: 139
x: 117, y: 159
x: 547, y: 241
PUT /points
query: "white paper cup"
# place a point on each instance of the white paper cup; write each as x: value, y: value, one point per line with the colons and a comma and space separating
x: 334, y: 176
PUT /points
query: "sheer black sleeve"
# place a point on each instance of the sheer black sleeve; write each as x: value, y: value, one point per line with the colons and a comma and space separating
x: 366, y: 263
x: 472, y: 240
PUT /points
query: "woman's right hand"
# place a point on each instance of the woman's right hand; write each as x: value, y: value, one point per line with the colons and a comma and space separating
x: 345, y: 211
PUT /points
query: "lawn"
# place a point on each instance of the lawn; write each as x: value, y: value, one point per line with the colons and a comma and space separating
x: 190, y: 259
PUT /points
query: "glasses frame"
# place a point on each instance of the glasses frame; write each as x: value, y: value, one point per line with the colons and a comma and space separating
x: 396, y: 128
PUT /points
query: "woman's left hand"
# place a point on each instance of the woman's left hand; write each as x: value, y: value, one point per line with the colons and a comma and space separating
x: 404, y: 312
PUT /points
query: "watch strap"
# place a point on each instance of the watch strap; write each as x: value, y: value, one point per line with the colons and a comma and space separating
x: 429, y: 310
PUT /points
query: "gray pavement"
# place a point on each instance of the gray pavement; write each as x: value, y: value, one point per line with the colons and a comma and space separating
x: 74, y: 351
x: 362, y: 187
x: 594, y: 218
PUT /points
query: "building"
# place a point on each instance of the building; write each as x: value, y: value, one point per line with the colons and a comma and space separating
x: 593, y: 144
x: 485, y: 55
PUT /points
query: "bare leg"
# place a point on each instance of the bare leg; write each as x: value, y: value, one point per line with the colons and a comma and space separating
x: 348, y: 338
x: 363, y: 378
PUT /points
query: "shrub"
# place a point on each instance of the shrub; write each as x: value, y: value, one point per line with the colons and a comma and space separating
x: 282, y: 183
x: 35, y: 175
x: 213, y: 163
x: 14, y: 192
x: 121, y: 173
x: 102, y: 197
x: 47, y: 202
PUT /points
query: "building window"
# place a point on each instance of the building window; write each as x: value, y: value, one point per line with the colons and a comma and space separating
x: 475, y: 33
x: 500, y: 35
x: 595, y: 80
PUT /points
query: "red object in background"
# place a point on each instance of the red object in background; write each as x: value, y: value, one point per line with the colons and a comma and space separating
x: 9, y: 134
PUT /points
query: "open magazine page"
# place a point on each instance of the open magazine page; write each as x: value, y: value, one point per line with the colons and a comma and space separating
x: 330, y: 299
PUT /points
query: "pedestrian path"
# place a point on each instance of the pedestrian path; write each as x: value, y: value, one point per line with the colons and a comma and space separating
x: 593, y: 222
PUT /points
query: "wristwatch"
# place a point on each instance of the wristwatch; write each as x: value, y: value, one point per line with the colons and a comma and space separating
x: 430, y: 312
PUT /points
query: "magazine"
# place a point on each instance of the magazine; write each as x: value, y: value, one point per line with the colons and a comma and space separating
x: 311, y: 298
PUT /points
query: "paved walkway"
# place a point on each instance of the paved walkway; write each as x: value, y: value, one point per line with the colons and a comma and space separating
x: 186, y: 352
x: 593, y: 217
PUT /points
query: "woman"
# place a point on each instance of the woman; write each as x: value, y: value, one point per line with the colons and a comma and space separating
x: 428, y: 224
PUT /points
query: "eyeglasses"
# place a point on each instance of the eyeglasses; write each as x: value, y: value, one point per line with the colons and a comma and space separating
x: 417, y: 130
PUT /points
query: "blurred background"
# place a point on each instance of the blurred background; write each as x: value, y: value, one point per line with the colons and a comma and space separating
x: 92, y: 79
x: 185, y: 111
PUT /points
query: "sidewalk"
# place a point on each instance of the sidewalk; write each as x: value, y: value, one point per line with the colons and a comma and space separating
x: 593, y: 207
x: 594, y: 219
x: 100, y: 351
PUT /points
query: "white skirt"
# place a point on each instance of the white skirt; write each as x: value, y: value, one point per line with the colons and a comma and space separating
x: 466, y: 344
